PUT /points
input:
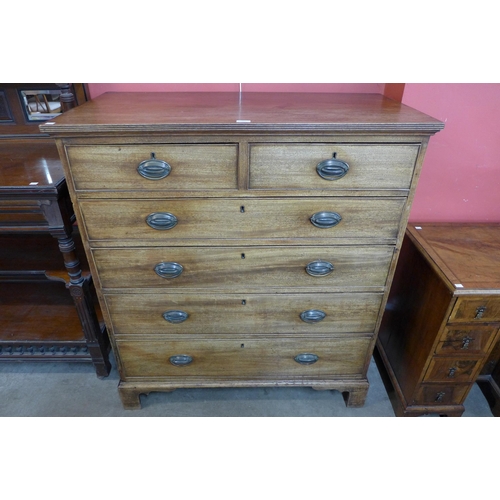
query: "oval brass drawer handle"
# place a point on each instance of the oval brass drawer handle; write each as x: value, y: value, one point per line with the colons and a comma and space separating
x: 312, y: 316
x: 161, y: 220
x: 168, y: 269
x: 306, y: 358
x: 154, y: 169
x: 325, y: 220
x: 332, y: 169
x: 175, y: 316
x: 181, y: 360
x: 319, y: 268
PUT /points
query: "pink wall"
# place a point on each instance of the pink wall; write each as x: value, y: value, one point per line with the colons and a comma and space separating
x: 96, y: 89
x: 460, y: 180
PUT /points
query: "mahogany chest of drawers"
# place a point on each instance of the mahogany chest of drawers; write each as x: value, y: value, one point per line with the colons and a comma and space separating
x: 442, y: 316
x: 242, y: 240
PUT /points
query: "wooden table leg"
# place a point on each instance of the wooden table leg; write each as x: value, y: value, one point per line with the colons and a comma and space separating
x: 80, y: 288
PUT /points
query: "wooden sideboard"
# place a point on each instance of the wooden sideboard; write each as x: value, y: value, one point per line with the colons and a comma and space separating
x: 48, y: 305
x: 442, y: 319
x: 242, y: 240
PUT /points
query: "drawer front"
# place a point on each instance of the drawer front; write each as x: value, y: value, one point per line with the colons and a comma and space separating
x: 295, y: 166
x: 481, y: 309
x: 215, y: 314
x: 441, y: 394
x: 192, y: 167
x: 21, y: 213
x: 466, y: 340
x: 243, y: 218
x: 350, y: 266
x: 242, y: 358
x: 451, y: 370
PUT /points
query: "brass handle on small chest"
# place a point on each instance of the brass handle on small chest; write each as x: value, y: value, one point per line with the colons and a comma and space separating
x: 312, y: 316
x: 154, y: 169
x: 466, y: 342
x: 332, y: 169
x: 325, y: 220
x: 480, y: 312
x: 181, y: 360
x: 175, y: 316
x: 439, y: 397
x: 168, y: 270
x: 319, y: 268
x: 161, y: 220
x: 306, y: 358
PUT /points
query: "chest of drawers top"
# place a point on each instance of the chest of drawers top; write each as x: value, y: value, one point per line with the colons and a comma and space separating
x: 249, y: 112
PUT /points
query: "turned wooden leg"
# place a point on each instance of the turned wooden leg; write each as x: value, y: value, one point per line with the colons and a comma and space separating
x: 67, y: 97
x: 80, y: 289
x: 59, y: 215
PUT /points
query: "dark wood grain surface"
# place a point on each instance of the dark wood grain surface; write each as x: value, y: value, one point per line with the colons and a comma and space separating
x: 28, y: 165
x: 249, y: 111
x: 467, y: 254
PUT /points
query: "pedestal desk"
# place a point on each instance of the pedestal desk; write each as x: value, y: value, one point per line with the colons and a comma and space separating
x: 442, y: 318
x: 242, y: 240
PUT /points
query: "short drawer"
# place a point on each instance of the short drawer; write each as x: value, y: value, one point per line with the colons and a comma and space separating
x: 466, y: 340
x: 451, y: 370
x: 221, y: 267
x: 243, y: 358
x: 441, y: 394
x: 213, y: 314
x: 168, y: 220
x: 482, y: 309
x: 174, y: 167
x: 310, y: 166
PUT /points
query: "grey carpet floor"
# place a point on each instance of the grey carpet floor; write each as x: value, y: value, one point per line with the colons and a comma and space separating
x: 73, y: 390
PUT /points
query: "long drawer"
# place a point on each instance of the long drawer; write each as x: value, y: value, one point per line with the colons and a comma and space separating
x: 243, y: 358
x: 366, y: 218
x: 299, y: 166
x: 190, y: 167
x: 213, y: 314
x: 221, y: 267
